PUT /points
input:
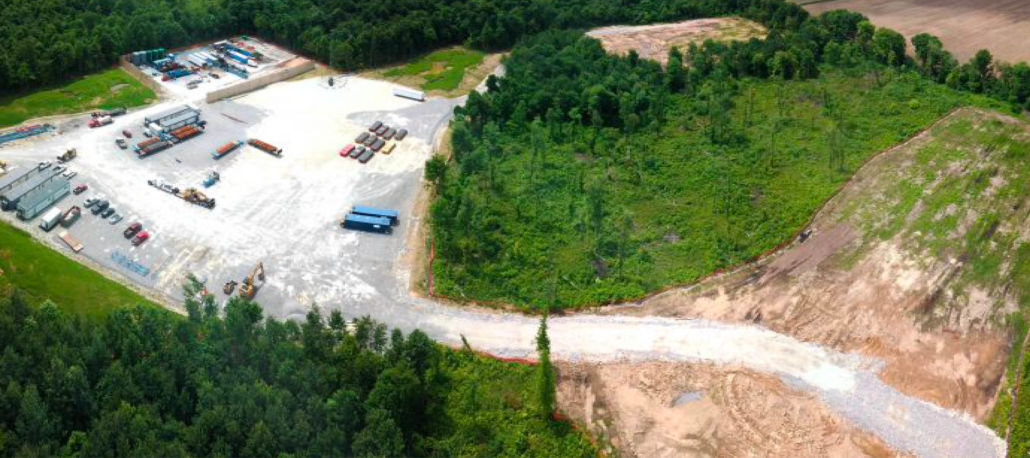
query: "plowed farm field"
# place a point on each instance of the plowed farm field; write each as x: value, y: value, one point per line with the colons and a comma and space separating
x: 965, y: 26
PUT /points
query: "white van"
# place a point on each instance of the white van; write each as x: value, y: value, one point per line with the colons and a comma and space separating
x: 50, y: 219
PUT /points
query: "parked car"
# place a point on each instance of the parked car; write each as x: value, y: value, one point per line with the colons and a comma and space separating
x: 100, y: 206
x: 401, y: 134
x: 357, y: 152
x: 91, y: 202
x: 389, y: 133
x: 362, y: 137
x: 346, y: 150
x: 140, y: 238
x: 115, y: 218
x: 375, y: 126
x: 382, y: 129
x: 69, y: 174
x: 108, y: 212
x: 126, y: 133
x: 80, y: 189
x: 121, y: 143
x: 44, y: 164
x: 132, y: 229
x: 214, y: 75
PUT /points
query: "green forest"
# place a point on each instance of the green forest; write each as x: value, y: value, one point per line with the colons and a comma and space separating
x: 44, y: 41
x: 584, y: 178
x: 145, y: 382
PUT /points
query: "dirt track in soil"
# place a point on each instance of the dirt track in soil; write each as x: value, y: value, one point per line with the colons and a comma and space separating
x: 658, y: 409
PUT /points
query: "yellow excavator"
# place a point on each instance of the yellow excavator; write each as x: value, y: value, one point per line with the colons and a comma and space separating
x: 248, y: 289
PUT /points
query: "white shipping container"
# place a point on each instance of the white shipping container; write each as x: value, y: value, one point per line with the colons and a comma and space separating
x: 409, y: 94
x: 50, y: 219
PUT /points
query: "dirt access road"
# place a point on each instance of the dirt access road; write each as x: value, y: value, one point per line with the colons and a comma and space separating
x: 965, y: 26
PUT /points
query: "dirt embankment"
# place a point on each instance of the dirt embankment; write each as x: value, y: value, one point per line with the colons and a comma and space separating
x: 900, y: 266
x: 660, y: 409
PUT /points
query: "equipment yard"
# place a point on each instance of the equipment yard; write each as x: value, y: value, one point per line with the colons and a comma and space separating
x: 284, y: 211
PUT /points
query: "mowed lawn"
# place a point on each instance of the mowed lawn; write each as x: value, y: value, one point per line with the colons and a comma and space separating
x: 42, y: 273
x: 439, y: 70
x: 107, y: 89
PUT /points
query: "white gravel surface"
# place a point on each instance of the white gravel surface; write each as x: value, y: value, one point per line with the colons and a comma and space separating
x: 284, y: 212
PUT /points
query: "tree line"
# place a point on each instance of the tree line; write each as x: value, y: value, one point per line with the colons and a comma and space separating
x: 146, y: 382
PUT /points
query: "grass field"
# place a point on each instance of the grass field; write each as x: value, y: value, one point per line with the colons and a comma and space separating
x: 42, y: 273
x: 449, y: 72
x: 107, y: 89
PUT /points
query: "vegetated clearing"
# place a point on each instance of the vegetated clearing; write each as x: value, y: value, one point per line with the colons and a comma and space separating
x: 42, y: 273
x: 692, y: 206
x: 655, y: 41
x: 964, y: 26
x: 107, y: 89
x: 920, y: 261
x: 448, y: 72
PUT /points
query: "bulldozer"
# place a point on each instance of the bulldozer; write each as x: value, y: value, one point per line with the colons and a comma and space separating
x: 67, y: 156
x: 248, y: 288
x: 193, y: 196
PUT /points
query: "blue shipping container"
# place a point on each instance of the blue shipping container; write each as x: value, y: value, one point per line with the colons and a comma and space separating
x: 367, y: 223
x: 391, y: 215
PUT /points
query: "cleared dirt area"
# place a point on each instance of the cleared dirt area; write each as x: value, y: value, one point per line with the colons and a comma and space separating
x: 909, y: 264
x: 965, y: 26
x: 658, y: 409
x: 655, y: 41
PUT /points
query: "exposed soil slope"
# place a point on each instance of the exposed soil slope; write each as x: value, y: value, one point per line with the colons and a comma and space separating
x: 911, y: 263
x: 655, y: 41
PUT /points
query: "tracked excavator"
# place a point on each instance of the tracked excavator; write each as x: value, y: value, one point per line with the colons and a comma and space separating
x: 249, y: 288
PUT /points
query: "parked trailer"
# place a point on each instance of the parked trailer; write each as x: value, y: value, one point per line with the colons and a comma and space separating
x: 226, y: 149
x: 145, y: 143
x: 99, y: 122
x: 72, y: 242
x: 237, y: 57
x: 391, y: 215
x: 185, y: 133
x: 24, y: 132
x: 268, y: 148
x: 50, y: 219
x: 367, y: 223
x: 412, y: 94
x: 154, y: 148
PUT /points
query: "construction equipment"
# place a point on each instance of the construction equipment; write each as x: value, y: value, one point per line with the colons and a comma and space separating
x: 194, y: 196
x: 212, y: 178
x: 248, y: 289
x: 229, y: 287
x: 67, y: 156
x: 100, y: 121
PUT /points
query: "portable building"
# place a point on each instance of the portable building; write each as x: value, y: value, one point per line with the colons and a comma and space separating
x: 16, y: 177
x: 173, y: 119
x: 41, y: 198
x: 391, y: 215
x: 409, y: 94
x: 9, y: 200
x: 367, y: 223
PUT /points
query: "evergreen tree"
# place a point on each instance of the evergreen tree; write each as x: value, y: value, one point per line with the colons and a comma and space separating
x: 545, y: 375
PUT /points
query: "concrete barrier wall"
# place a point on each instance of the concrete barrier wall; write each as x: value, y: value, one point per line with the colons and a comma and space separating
x: 289, y: 69
x: 142, y: 77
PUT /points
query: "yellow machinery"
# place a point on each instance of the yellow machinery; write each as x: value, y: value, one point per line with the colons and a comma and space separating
x: 248, y: 289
